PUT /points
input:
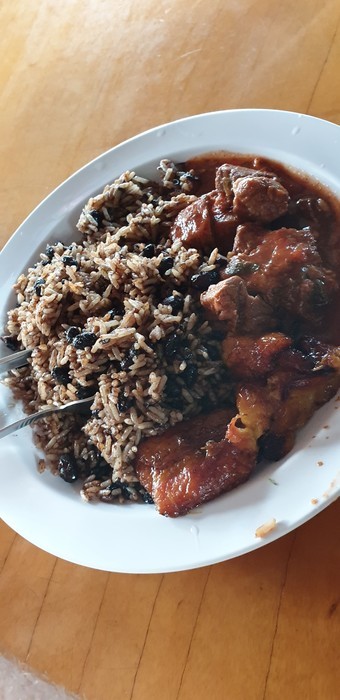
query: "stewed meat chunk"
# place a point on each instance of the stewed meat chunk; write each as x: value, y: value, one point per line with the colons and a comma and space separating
x: 207, y: 223
x: 285, y: 268
x: 261, y: 199
x: 228, y: 173
x: 241, y: 194
x: 193, y: 225
x: 230, y: 302
x: 253, y: 194
x: 250, y: 358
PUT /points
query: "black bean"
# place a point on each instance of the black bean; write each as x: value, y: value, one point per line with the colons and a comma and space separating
x: 38, y: 286
x: 100, y: 470
x: 84, y: 392
x: 175, y: 182
x: 221, y: 260
x: 115, y: 485
x: 61, y: 374
x: 218, y: 334
x: 97, y: 216
x: 176, y: 402
x: 124, y: 402
x: 191, y: 177
x: 67, y: 468
x: 91, y: 376
x: 187, y: 354
x: 214, y: 352
x: 49, y: 251
x: 149, y: 251
x: 113, y: 365
x: 71, y: 333
x: 125, y: 492
x: 10, y: 341
x: 128, y: 360
x: 116, y: 310
x: 172, y: 346
x: 165, y: 264
x: 172, y: 389
x: 125, y: 363
x: 145, y: 496
x: 123, y: 488
x: 203, y: 280
x: 207, y: 403
x: 68, y: 260
x: 190, y: 374
x: 173, y: 393
x: 319, y: 294
x: 95, y: 413
x: 85, y: 339
x: 175, y: 301
x: 94, y: 456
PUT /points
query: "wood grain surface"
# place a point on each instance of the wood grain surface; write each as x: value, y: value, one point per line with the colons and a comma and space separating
x: 75, y: 79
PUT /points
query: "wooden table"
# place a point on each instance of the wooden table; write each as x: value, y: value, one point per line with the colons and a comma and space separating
x: 76, y: 78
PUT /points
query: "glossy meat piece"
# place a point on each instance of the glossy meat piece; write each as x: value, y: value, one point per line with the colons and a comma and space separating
x: 228, y: 173
x: 285, y: 268
x: 229, y: 301
x: 254, y: 195
x: 272, y: 409
x: 249, y: 358
x: 205, y: 224
x: 224, y: 223
x: 261, y: 199
x: 193, y: 225
x: 241, y: 194
x: 192, y: 463
x: 299, y: 398
x: 322, y: 354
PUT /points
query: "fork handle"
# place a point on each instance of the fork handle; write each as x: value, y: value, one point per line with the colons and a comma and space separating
x: 79, y: 405
x: 27, y: 420
x: 17, y: 359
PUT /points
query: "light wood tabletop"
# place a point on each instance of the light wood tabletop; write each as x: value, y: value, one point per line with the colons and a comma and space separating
x: 76, y: 78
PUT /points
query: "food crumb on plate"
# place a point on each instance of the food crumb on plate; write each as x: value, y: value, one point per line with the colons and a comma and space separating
x: 266, y: 528
x: 332, y: 486
x: 41, y: 466
x: 314, y: 501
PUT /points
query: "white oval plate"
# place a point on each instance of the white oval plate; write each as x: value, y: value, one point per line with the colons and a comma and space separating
x: 134, y: 538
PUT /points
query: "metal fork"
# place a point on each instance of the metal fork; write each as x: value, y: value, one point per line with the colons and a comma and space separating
x: 18, y: 359
x: 79, y: 405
